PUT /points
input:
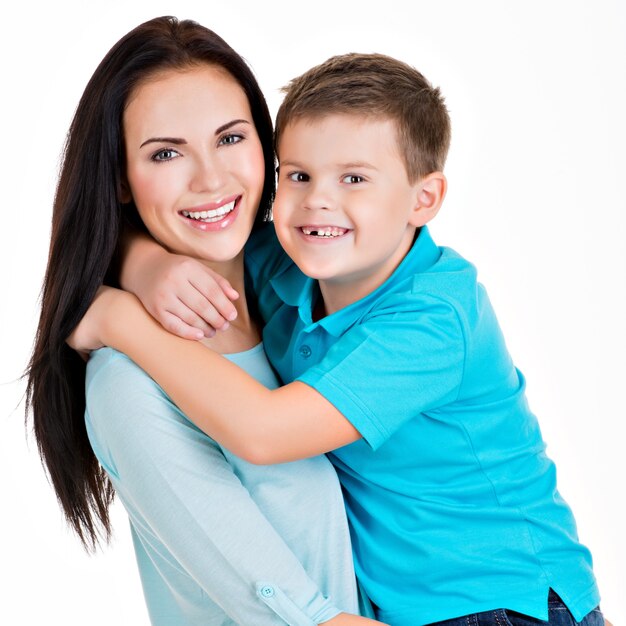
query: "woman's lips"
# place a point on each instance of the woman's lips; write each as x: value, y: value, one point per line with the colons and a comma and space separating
x: 212, y: 217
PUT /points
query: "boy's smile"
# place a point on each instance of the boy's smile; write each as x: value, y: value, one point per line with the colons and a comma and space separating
x: 345, y: 210
x: 324, y: 232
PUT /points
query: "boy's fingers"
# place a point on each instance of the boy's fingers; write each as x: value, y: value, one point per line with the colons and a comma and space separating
x: 197, y: 307
x: 177, y: 326
x: 227, y: 288
x: 211, y: 303
x: 190, y: 313
x: 191, y: 317
x: 222, y: 283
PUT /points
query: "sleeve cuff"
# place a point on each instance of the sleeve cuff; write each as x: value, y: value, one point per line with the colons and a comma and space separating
x: 320, y: 609
x: 349, y: 405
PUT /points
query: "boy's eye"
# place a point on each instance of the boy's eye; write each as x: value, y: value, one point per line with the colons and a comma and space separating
x: 298, y: 177
x: 167, y: 154
x: 228, y: 140
x: 351, y: 179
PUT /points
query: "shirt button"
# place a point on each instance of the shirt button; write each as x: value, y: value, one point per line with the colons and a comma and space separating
x: 305, y: 351
x: 267, y: 592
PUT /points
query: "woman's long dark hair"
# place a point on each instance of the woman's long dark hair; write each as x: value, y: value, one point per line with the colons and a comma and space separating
x: 86, y: 227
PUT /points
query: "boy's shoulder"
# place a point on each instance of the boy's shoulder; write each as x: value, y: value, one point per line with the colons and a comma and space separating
x: 452, y: 278
x: 430, y: 274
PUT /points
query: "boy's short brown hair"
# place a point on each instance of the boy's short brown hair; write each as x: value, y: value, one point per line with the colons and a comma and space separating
x: 375, y: 85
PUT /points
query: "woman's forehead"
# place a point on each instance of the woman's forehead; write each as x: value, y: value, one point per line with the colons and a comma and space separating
x: 203, y: 95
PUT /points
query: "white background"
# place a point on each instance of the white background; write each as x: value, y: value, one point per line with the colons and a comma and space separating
x: 536, y: 92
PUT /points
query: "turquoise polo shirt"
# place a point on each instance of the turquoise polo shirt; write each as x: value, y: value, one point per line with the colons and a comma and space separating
x: 451, y: 498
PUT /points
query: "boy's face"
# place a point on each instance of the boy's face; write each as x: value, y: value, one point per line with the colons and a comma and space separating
x: 344, y: 209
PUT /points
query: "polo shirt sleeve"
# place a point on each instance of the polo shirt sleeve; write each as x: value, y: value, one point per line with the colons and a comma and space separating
x: 178, y: 486
x: 403, y: 359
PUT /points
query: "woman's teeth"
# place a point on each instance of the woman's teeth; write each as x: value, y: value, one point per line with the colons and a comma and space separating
x: 210, y: 216
x: 327, y: 231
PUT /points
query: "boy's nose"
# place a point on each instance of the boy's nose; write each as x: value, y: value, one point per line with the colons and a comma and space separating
x: 319, y: 197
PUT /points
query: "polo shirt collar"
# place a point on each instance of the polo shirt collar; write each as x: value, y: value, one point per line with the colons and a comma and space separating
x: 298, y: 290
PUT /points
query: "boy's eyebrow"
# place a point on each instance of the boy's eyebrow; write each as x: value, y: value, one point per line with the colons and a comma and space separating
x: 179, y: 141
x: 290, y: 164
x: 346, y: 166
x: 351, y: 164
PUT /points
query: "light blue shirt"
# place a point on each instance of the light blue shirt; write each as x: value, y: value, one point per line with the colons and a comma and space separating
x: 218, y: 541
x: 452, y: 501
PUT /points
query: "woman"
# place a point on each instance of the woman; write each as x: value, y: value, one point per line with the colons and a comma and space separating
x: 173, y: 135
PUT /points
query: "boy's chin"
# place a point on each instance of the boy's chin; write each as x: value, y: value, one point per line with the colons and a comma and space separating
x: 322, y: 274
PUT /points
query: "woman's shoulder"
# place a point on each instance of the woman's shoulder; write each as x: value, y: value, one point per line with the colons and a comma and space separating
x: 113, y: 371
x: 121, y: 397
x: 106, y: 359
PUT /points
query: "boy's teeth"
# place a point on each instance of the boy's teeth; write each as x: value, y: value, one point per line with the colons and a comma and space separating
x: 210, y: 216
x: 327, y: 232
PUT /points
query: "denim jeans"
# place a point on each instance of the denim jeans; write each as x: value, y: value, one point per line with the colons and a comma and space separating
x: 558, y: 615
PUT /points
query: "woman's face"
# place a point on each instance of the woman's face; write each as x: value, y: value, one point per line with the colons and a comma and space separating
x: 194, y: 162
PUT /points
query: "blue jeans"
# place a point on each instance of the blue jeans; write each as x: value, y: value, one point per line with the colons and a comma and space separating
x: 558, y: 615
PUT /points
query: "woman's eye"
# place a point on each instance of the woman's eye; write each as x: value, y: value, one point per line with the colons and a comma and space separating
x: 228, y: 140
x: 298, y: 177
x: 351, y: 179
x: 165, y: 155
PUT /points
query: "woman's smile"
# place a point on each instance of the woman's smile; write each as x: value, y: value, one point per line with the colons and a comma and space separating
x: 208, y: 218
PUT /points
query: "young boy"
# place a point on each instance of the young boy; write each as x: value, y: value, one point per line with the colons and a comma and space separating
x: 393, y: 348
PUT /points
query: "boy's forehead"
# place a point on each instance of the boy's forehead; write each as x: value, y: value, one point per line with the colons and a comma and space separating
x: 346, y: 118
x: 343, y: 132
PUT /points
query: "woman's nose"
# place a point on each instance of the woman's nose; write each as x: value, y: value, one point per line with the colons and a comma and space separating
x: 207, y: 175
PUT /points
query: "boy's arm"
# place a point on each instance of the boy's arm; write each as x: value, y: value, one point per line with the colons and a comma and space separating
x: 185, y: 296
x: 262, y: 426
x: 347, y: 619
x: 336, y: 402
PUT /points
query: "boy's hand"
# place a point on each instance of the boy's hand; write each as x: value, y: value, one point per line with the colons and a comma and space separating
x: 186, y: 297
x: 183, y: 295
x: 347, y: 619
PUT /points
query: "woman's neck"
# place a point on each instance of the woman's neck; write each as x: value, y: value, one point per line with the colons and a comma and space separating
x: 232, y: 270
x: 244, y: 332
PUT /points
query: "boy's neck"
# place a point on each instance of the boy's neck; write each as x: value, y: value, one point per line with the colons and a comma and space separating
x: 335, y: 296
x: 338, y: 294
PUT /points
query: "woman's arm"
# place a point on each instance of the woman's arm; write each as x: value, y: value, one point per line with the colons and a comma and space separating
x: 260, y: 425
x: 178, y: 487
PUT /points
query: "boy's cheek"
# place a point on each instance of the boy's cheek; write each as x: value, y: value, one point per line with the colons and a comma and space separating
x: 283, y: 231
x: 280, y: 226
x: 279, y: 209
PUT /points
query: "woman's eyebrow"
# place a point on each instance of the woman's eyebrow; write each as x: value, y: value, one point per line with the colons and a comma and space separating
x: 177, y: 141
x: 228, y: 125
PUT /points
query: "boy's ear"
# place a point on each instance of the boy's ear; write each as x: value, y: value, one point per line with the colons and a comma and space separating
x: 430, y: 191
